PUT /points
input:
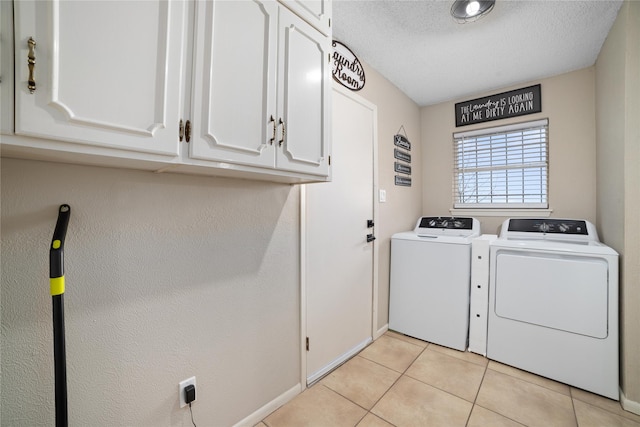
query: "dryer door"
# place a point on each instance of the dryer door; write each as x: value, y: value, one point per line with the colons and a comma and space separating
x: 564, y: 292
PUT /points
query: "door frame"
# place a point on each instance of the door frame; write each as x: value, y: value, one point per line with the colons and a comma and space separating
x: 303, y: 241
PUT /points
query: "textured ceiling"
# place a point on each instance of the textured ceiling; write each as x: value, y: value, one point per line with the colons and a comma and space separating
x: 419, y: 47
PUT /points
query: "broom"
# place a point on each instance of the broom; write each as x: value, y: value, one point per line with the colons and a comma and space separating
x: 56, y: 275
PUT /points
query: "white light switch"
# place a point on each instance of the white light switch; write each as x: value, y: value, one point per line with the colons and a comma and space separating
x: 383, y: 196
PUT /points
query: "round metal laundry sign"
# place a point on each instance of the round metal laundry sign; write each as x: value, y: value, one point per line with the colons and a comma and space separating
x: 347, y: 69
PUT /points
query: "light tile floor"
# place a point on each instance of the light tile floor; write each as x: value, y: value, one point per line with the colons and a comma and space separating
x: 400, y: 381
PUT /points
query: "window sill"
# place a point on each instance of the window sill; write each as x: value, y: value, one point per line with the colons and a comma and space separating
x: 510, y: 213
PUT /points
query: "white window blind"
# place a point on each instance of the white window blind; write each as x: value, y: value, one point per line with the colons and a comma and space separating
x: 502, y: 167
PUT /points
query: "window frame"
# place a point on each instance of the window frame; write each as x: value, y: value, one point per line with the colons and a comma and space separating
x: 508, y: 208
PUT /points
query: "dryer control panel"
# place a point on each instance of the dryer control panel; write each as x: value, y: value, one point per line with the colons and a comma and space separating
x: 561, y: 226
x: 569, y: 230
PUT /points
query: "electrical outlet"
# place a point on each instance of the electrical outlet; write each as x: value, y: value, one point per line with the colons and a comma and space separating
x: 181, y: 387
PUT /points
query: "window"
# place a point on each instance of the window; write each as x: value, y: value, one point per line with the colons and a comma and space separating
x: 502, y: 167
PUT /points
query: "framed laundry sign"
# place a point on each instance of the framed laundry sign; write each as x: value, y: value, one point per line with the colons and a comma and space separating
x: 347, y: 69
x: 514, y: 103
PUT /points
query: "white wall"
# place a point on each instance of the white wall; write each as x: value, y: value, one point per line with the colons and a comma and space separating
x: 404, y: 204
x: 168, y: 276
x: 568, y: 101
x: 618, y: 169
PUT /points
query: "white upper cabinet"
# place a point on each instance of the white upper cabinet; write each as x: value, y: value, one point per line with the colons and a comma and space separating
x: 316, y: 12
x: 6, y: 67
x: 103, y: 73
x: 113, y: 82
x: 234, y: 90
x: 304, y: 88
x: 261, y: 88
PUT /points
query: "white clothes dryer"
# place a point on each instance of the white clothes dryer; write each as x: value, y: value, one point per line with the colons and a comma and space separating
x: 430, y: 280
x: 553, y: 303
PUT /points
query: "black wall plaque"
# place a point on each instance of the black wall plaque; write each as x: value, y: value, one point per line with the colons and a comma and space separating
x: 514, y: 103
x: 403, y: 181
x: 402, y: 168
x: 401, y: 155
x: 402, y: 142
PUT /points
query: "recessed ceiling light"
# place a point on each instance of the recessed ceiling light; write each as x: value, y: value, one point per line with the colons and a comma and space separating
x: 470, y: 10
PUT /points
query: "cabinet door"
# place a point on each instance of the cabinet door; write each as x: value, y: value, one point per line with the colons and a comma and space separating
x: 6, y: 67
x: 234, y: 82
x: 106, y: 73
x: 316, y: 12
x: 303, y: 97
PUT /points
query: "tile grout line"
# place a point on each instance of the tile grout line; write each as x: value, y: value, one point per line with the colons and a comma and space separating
x: 474, y: 402
x: 572, y: 392
x: 368, y: 411
x: 406, y: 342
x: 345, y: 397
x: 404, y: 374
x: 573, y: 406
x: 475, y: 399
x: 486, y: 367
x: 397, y: 379
x: 599, y: 408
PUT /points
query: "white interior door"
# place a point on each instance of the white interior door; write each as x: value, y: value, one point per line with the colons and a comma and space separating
x: 339, y: 262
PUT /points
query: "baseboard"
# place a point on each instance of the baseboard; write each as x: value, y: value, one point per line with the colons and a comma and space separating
x: 629, y: 405
x: 261, y: 413
x: 380, y: 332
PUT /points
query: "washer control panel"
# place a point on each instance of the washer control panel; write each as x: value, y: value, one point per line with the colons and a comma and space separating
x: 433, y: 226
x: 445, y: 222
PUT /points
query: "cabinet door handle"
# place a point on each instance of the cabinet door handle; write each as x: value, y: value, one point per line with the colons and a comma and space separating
x: 31, y: 61
x: 284, y: 130
x: 187, y: 131
x: 273, y: 137
x: 181, y: 130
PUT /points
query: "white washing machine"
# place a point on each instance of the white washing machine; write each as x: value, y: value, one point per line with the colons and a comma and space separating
x: 430, y: 280
x: 553, y: 303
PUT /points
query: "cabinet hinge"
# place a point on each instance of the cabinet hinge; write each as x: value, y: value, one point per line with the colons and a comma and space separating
x: 307, y: 343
